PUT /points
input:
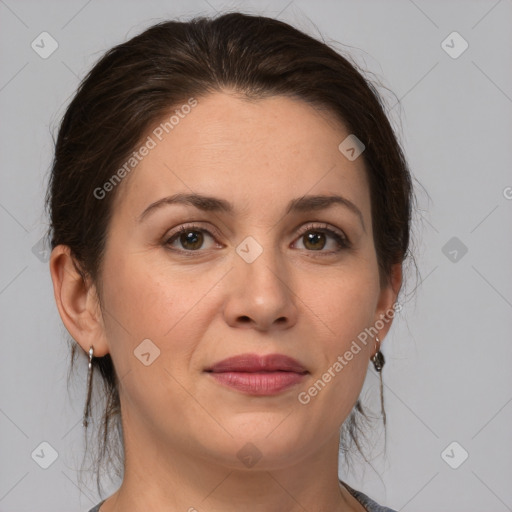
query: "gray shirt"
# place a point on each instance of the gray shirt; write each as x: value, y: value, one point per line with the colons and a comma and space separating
x: 368, y: 503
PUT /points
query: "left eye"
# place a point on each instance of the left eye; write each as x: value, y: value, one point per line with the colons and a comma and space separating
x: 314, y: 238
x: 190, y: 237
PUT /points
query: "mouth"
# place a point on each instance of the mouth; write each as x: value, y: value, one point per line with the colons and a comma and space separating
x: 258, y: 375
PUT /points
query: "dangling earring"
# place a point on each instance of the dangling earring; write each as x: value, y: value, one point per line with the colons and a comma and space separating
x: 85, y: 421
x: 378, y: 359
x: 378, y: 362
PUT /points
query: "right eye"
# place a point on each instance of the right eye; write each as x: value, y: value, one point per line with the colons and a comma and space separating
x: 190, y: 237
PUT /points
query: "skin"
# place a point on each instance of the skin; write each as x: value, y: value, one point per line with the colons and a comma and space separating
x: 183, y: 429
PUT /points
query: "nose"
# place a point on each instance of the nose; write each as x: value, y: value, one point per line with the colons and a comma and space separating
x: 260, y: 294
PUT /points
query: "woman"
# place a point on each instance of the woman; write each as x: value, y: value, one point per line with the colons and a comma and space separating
x: 230, y: 214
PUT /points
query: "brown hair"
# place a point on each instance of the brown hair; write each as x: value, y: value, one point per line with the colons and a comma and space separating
x: 137, y: 83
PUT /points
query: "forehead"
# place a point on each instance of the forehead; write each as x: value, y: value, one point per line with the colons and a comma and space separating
x: 254, y: 152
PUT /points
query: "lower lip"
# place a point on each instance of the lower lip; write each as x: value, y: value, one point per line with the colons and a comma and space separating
x: 259, y: 384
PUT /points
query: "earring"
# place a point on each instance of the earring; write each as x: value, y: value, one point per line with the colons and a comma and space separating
x: 378, y: 362
x: 378, y: 359
x: 85, y: 421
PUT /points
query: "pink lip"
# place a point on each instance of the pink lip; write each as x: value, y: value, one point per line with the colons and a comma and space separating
x: 253, y: 363
x: 258, y: 375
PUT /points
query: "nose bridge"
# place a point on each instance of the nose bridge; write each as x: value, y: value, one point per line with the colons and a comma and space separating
x: 260, y: 264
x: 261, y: 290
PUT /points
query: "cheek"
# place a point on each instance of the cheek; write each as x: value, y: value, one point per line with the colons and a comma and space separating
x: 146, y: 301
x: 346, y: 303
x: 346, y: 308
x: 150, y: 327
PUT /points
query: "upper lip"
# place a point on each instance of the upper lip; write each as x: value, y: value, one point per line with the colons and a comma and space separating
x: 251, y: 363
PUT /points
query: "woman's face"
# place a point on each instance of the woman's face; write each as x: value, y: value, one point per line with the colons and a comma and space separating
x: 261, y: 269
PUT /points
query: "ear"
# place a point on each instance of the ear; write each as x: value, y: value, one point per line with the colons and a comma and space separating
x: 77, y: 302
x: 387, y: 299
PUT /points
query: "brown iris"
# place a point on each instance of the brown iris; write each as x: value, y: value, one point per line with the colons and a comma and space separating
x: 313, y: 238
x: 191, y: 240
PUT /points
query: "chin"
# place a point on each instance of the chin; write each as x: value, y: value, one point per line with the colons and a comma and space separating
x: 259, y: 445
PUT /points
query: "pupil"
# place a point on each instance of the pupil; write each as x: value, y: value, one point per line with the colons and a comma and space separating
x: 192, y: 238
x: 315, y: 237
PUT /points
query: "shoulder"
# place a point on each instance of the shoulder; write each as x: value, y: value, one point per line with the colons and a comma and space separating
x: 366, y: 501
x: 97, y: 507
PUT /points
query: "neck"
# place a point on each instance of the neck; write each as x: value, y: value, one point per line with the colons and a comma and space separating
x: 163, y: 477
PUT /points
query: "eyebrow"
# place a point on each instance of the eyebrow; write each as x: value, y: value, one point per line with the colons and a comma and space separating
x: 214, y: 204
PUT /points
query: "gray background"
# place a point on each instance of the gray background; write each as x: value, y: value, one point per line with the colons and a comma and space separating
x: 447, y: 377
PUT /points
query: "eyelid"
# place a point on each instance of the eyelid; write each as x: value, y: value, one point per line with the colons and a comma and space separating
x: 311, y: 226
x: 192, y: 226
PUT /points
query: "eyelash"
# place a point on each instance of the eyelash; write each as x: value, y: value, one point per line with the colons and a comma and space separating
x: 341, y: 239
